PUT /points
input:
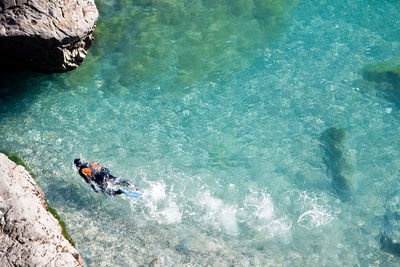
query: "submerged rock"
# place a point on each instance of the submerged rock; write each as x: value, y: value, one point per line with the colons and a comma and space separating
x: 336, y: 164
x: 45, y: 36
x: 387, y: 76
x: 182, y: 42
x: 29, y: 234
x: 390, y: 236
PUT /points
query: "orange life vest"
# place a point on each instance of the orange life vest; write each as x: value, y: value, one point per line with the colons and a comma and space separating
x: 95, y: 165
x: 87, y: 172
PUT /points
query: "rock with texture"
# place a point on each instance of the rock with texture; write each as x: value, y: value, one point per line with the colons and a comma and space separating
x: 29, y: 234
x: 45, y: 36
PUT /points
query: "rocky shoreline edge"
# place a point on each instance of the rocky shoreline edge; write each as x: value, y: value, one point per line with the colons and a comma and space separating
x: 45, y: 36
x: 31, y: 232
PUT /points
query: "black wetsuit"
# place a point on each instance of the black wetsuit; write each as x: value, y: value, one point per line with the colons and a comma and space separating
x: 92, y: 172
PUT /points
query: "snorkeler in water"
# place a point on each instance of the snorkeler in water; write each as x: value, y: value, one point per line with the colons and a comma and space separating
x: 98, y: 176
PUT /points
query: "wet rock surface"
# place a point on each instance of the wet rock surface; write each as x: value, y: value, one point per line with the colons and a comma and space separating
x: 45, y: 36
x: 29, y: 234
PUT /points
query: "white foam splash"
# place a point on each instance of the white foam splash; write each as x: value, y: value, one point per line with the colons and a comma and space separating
x: 162, y: 206
x: 258, y: 204
x: 265, y: 210
x: 219, y: 213
x: 313, y: 214
x: 228, y: 219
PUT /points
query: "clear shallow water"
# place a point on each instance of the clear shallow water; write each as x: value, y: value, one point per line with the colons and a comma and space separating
x: 229, y: 157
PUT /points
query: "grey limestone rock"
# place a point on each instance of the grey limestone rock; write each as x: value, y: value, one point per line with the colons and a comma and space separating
x: 45, y: 36
x: 29, y: 234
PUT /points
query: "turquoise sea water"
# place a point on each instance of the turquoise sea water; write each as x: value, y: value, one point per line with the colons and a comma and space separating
x: 237, y: 120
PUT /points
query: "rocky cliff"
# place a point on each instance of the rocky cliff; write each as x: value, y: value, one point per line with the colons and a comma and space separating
x: 45, y: 36
x: 29, y: 234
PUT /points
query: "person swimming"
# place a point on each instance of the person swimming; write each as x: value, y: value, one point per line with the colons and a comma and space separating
x: 98, y: 176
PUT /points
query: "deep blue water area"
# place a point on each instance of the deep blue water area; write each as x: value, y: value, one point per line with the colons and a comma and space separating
x: 250, y: 127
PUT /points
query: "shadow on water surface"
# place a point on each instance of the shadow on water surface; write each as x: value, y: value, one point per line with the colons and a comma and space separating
x: 18, y: 90
x: 336, y: 165
x: 16, y: 83
x: 78, y: 196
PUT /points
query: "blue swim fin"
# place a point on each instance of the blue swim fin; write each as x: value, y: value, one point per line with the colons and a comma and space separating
x: 130, y: 194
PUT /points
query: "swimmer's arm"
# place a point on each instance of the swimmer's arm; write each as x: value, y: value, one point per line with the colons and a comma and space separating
x: 89, y: 181
x: 94, y: 187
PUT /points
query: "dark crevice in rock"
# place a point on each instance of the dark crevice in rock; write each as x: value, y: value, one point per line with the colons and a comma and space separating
x: 36, y: 9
